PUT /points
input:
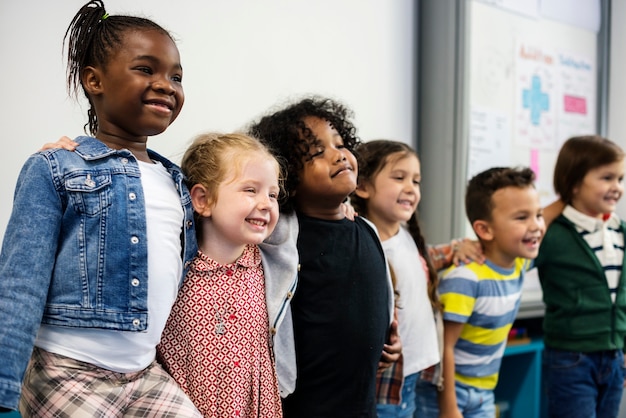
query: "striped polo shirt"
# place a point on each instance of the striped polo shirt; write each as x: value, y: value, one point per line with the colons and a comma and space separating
x: 485, y: 298
x: 605, y: 239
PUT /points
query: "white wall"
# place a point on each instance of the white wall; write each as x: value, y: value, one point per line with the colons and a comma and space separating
x: 240, y: 57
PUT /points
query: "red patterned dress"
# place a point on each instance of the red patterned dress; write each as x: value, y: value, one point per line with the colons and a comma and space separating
x: 216, y: 343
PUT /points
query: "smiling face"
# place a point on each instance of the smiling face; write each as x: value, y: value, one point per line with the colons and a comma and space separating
x: 329, y: 174
x: 139, y: 92
x: 394, y: 194
x: 516, y: 226
x: 600, y: 190
x: 245, y: 212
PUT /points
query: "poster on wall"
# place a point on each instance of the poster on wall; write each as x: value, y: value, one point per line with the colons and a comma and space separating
x: 535, y: 96
x: 554, y: 96
x: 489, y: 143
x: 576, y: 108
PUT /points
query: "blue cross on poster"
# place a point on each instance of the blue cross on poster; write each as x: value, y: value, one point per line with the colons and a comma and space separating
x: 535, y: 100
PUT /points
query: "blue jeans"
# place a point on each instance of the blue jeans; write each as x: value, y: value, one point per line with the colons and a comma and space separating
x: 406, y: 407
x: 474, y: 402
x: 585, y: 385
x: 426, y: 400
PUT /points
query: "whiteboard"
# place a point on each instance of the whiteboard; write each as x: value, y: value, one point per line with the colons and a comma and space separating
x: 532, y: 84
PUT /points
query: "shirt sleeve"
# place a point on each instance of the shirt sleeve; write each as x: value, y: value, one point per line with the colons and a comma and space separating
x: 457, y: 291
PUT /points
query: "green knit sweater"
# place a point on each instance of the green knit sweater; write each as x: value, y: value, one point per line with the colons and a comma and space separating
x: 580, y: 315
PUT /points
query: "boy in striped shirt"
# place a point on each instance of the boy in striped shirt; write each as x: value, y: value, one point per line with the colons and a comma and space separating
x: 481, y: 300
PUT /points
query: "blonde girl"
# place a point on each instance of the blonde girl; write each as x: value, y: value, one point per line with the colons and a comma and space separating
x: 216, y: 343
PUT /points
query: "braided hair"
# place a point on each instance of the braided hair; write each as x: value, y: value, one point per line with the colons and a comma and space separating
x: 92, y: 38
x: 372, y: 157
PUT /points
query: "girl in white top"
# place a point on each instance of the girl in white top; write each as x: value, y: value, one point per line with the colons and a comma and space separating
x: 387, y: 194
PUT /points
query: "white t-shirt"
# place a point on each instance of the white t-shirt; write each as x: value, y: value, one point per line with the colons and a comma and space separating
x: 127, y: 352
x: 416, y: 322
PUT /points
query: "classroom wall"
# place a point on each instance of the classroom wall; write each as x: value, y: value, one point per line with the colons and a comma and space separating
x: 240, y: 58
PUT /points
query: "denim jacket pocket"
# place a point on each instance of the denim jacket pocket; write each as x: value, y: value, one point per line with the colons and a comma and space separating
x: 89, y: 192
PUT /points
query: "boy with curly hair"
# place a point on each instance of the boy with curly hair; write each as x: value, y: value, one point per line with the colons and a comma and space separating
x: 343, y: 306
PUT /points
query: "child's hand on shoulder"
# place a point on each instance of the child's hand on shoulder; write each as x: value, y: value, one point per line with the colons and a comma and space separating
x: 348, y: 211
x: 467, y: 250
x: 64, y: 143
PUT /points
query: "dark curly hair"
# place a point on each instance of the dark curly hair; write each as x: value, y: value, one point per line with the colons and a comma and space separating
x: 286, y: 135
x: 92, y: 38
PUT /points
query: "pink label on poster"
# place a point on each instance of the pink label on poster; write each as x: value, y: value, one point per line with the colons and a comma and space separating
x: 534, y: 161
x: 575, y: 104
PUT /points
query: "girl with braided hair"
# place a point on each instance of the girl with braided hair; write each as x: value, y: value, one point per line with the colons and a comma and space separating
x: 388, y: 194
x: 98, y: 240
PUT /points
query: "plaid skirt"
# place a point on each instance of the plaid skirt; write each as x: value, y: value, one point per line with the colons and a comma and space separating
x: 58, y: 386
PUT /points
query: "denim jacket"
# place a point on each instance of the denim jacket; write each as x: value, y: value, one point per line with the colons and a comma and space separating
x: 75, y: 250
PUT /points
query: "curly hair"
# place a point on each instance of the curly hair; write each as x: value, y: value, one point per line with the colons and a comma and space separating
x: 92, y: 38
x: 287, y: 136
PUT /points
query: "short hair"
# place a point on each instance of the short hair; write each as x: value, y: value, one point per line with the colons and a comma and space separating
x: 577, y: 157
x: 211, y: 156
x: 480, y: 189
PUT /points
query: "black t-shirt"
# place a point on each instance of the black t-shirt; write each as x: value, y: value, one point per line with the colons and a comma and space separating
x: 341, y: 319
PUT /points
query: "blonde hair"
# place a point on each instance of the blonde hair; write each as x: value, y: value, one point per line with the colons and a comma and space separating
x: 212, y: 156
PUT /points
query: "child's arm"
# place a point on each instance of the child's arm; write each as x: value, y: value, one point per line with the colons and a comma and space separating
x: 552, y: 211
x: 448, y: 407
x: 393, y: 348
x: 462, y: 250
